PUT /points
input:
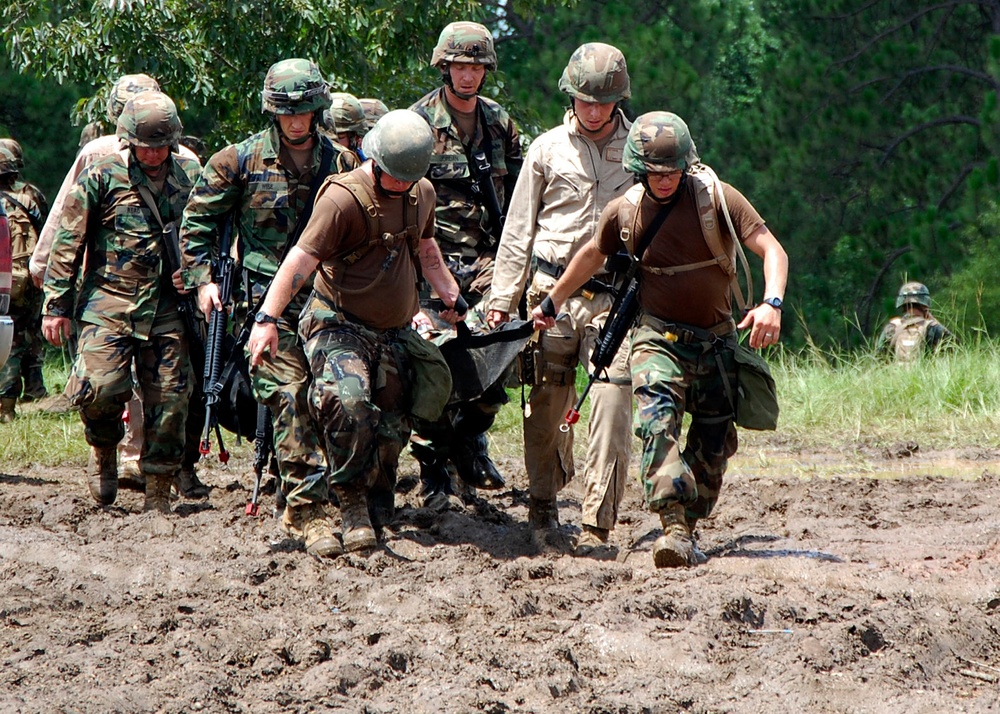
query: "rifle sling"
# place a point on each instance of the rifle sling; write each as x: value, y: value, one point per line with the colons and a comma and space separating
x: 36, y: 220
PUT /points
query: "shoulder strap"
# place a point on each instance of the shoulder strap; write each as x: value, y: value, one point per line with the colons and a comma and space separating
x: 33, y: 216
x: 709, y: 198
x: 376, y: 237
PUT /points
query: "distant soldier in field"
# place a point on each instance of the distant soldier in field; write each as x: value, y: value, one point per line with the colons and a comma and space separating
x: 570, y: 175
x: 264, y: 183
x: 915, y: 333
x: 374, y: 109
x: 344, y: 122
x: 372, y: 230
x: 21, y: 376
x: 123, y: 89
x: 683, y: 347
x: 477, y: 153
x: 111, y: 244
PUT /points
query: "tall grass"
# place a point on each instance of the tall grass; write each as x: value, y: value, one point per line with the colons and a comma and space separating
x: 828, y: 400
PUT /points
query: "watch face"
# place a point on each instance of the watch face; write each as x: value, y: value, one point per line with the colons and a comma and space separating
x: 774, y: 302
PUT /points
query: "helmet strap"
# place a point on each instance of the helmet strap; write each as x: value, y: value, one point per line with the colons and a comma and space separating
x: 377, y: 172
x: 313, y: 124
x: 446, y: 79
x: 579, y: 125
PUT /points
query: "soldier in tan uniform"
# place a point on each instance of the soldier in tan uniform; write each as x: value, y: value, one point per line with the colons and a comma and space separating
x: 570, y: 174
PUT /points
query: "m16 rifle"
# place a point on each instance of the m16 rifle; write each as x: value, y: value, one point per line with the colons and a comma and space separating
x: 215, y: 358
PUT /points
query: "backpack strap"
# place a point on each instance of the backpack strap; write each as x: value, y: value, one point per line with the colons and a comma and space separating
x: 361, y: 193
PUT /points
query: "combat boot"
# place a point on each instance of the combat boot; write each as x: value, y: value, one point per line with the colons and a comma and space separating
x: 435, y: 485
x: 593, y: 540
x: 102, y: 474
x: 357, y: 525
x: 158, y: 492
x: 543, y: 517
x: 317, y: 532
x: 7, y: 413
x: 381, y: 507
x: 130, y: 476
x: 675, y: 548
x: 474, y: 465
x: 189, y: 485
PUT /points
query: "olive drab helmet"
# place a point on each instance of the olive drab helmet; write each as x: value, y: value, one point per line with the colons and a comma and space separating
x: 401, y: 144
x: 11, y: 157
x: 150, y: 120
x: 913, y: 293
x: 467, y: 42
x: 126, y: 87
x: 345, y: 115
x: 294, y: 86
x: 596, y: 73
x: 659, y: 142
x: 374, y: 110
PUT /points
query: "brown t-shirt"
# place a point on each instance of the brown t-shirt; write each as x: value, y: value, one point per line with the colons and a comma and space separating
x: 697, y: 297
x: 378, y: 297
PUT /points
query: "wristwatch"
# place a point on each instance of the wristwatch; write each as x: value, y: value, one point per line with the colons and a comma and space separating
x: 263, y: 318
x: 774, y: 302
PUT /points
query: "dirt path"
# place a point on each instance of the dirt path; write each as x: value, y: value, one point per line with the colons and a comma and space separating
x: 823, y: 593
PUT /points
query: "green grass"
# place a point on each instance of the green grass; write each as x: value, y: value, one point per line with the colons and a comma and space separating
x: 828, y: 401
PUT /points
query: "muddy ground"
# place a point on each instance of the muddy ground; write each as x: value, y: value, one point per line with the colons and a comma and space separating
x: 867, y: 581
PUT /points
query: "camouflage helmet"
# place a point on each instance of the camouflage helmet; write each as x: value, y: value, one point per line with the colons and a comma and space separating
x: 11, y: 157
x: 374, y: 109
x: 401, y: 143
x: 294, y: 86
x: 659, y: 142
x: 126, y: 87
x: 467, y: 42
x: 150, y: 120
x: 913, y: 292
x: 345, y: 115
x: 596, y: 73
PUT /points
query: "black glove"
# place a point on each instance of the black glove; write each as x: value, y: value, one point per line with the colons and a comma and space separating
x: 548, y: 307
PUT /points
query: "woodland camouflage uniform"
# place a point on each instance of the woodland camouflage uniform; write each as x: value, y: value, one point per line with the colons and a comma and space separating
x: 26, y: 210
x: 126, y: 310
x: 469, y: 250
x: 266, y: 195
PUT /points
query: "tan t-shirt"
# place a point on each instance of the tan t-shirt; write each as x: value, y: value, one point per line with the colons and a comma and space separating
x: 697, y: 297
x: 378, y: 292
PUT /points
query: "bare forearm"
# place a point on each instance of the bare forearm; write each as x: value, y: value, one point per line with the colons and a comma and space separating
x: 293, y: 273
x: 583, y: 266
x: 436, y: 272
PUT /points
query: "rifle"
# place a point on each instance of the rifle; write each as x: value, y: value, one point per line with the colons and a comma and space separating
x: 185, y: 303
x: 217, y: 327
x: 485, y: 192
x: 263, y: 448
x: 622, y: 316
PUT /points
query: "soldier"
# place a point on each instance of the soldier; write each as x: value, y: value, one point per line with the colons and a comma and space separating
x: 370, y: 230
x: 916, y: 332
x: 476, y: 152
x: 124, y: 88
x: 682, y: 349
x: 128, y: 316
x: 374, y: 110
x: 344, y: 122
x: 572, y: 172
x: 26, y: 210
x: 265, y: 182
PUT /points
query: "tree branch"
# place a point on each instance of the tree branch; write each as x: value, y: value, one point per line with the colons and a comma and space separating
x: 943, y: 121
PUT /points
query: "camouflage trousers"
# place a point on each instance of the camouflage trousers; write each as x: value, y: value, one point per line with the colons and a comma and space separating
x: 668, y: 380
x: 548, y: 452
x: 26, y: 348
x: 282, y: 383
x: 101, y: 384
x: 360, y: 399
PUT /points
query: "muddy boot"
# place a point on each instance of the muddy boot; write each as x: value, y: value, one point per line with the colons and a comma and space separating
x: 381, y: 507
x: 7, y: 413
x: 675, y: 548
x: 436, y: 492
x: 317, y: 531
x: 699, y: 557
x: 189, y: 485
x: 358, y: 531
x: 130, y: 476
x: 474, y: 464
x: 592, y: 540
x: 543, y: 517
x: 102, y: 474
x: 158, y: 492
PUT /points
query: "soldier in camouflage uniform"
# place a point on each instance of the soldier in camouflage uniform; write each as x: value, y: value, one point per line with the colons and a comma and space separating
x: 123, y: 89
x: 264, y: 182
x: 571, y: 173
x: 344, y: 122
x: 126, y: 309
x: 465, y: 123
x: 26, y: 210
x: 371, y: 230
x: 374, y: 110
x: 682, y: 349
x: 916, y: 332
